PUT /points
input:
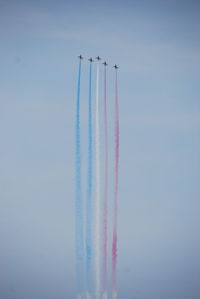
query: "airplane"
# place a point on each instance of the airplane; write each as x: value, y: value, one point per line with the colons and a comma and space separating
x: 105, y: 63
x: 90, y: 59
x: 98, y: 58
x: 80, y: 57
x: 115, y: 66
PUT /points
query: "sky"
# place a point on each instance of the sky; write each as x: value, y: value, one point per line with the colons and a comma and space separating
x: 157, y: 46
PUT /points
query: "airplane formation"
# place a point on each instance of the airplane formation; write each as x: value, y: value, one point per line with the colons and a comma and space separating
x: 97, y: 58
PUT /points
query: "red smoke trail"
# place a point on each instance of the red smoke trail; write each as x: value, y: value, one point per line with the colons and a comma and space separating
x: 115, y: 202
x: 105, y: 204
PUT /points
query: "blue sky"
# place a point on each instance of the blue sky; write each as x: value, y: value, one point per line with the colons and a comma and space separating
x: 156, y: 44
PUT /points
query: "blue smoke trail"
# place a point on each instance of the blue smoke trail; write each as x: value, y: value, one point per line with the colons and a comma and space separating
x: 89, y: 204
x: 78, y: 199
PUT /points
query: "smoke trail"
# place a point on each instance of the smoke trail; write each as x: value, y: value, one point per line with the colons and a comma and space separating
x: 97, y: 197
x: 78, y: 197
x: 89, y: 203
x: 115, y: 202
x: 105, y: 204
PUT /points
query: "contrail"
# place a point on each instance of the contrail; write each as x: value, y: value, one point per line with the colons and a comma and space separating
x: 78, y: 198
x: 115, y: 201
x: 97, y: 194
x: 89, y: 202
x: 105, y: 204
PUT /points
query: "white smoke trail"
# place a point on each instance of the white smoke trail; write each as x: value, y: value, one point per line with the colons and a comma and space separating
x: 97, y: 192
x: 80, y: 296
x: 84, y: 296
x: 114, y: 295
x: 105, y: 295
x: 88, y: 296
